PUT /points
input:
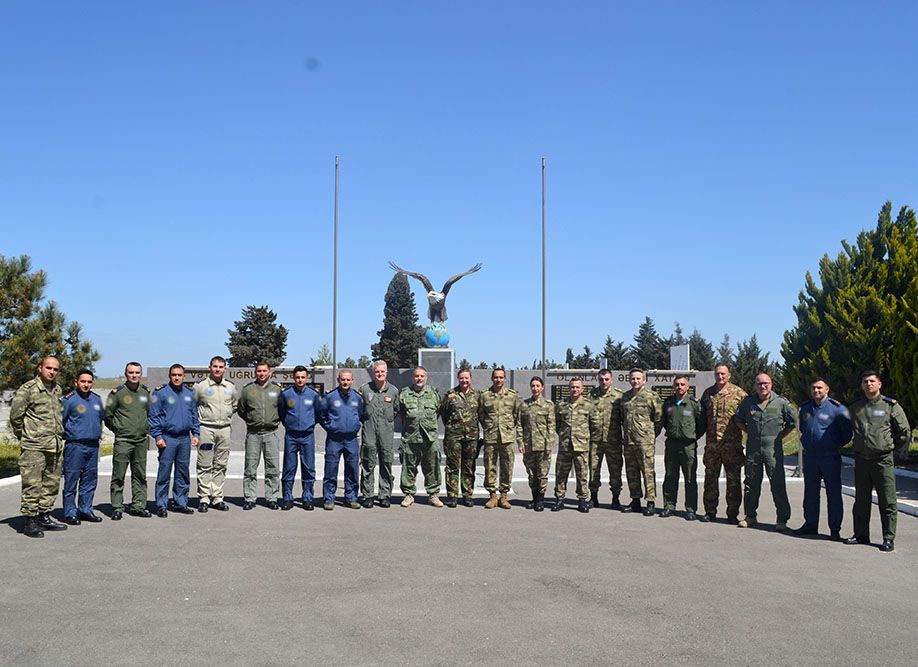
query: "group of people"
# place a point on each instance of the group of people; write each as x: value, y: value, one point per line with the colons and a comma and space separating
x: 360, y: 424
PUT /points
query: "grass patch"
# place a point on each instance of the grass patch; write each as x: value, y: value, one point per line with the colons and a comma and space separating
x: 9, y: 456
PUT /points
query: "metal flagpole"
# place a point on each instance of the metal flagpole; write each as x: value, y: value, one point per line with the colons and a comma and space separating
x: 543, y: 268
x: 335, y: 285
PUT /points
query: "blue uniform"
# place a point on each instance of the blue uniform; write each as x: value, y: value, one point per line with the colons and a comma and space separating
x: 82, y: 419
x: 824, y: 430
x: 341, y: 418
x: 174, y: 419
x: 298, y: 410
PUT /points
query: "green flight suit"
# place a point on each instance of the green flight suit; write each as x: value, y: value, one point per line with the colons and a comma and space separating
x: 126, y: 415
x: 685, y: 422
x: 258, y: 408
x: 880, y: 426
x: 377, y: 439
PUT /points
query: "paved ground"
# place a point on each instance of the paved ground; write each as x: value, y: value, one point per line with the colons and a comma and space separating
x: 440, y: 586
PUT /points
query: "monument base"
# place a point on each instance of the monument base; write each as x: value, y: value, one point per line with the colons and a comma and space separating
x: 440, y: 363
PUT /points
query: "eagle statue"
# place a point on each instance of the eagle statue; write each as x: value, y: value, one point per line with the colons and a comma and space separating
x: 436, y: 310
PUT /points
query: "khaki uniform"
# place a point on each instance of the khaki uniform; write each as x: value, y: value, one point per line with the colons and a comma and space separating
x: 606, y: 439
x: 642, y: 421
x: 216, y: 403
x: 880, y: 426
x: 723, y: 447
x: 573, y: 420
x: 537, y: 433
x: 35, y: 416
x: 459, y: 412
x: 499, y: 414
x: 420, y: 445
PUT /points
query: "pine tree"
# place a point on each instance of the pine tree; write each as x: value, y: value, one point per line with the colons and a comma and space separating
x: 401, y: 336
x: 677, y: 338
x: 725, y: 351
x: 701, y: 352
x: 584, y: 360
x: 749, y: 362
x: 324, y: 357
x: 649, y: 350
x: 350, y: 362
x: 257, y: 337
x: 465, y: 364
x: 31, y: 328
x: 617, y: 355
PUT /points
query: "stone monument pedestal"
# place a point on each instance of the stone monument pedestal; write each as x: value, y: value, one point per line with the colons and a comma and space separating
x: 440, y: 363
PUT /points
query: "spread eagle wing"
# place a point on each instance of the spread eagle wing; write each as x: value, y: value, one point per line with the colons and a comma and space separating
x: 419, y: 276
x: 449, y: 283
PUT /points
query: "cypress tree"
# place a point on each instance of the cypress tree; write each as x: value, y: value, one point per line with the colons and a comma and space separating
x: 401, y: 336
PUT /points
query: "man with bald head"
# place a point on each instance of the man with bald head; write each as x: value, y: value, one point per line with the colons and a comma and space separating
x: 767, y: 419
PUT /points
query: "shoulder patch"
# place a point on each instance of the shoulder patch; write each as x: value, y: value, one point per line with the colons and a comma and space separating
x: 144, y: 387
x: 118, y: 388
x: 69, y: 395
x: 889, y: 400
x: 159, y: 387
x: 833, y: 401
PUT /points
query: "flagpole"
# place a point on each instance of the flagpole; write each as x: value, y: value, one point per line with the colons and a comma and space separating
x: 335, y: 285
x: 543, y: 267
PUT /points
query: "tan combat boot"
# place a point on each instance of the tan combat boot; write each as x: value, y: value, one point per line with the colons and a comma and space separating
x: 407, y: 501
x: 434, y: 499
x: 503, y: 503
x: 492, y: 502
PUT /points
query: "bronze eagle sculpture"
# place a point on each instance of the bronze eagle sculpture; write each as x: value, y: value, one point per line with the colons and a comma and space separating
x: 436, y: 310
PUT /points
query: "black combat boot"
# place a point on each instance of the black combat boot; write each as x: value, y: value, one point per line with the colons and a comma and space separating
x: 558, y: 506
x: 31, y: 528
x: 583, y: 506
x: 634, y: 506
x: 616, y: 503
x: 649, y: 510
x: 539, y: 504
x: 594, y: 498
x: 47, y: 523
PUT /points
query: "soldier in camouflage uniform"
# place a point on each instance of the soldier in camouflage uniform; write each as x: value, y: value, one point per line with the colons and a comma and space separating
x: 642, y: 421
x: 880, y: 426
x: 35, y: 416
x: 684, y: 421
x: 537, y: 434
x: 126, y: 415
x: 723, y: 445
x: 606, y: 438
x: 499, y: 415
x: 573, y: 420
x: 418, y: 406
x: 459, y: 412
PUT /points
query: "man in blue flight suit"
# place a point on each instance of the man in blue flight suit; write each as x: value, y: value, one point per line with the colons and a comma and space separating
x: 82, y: 414
x: 825, y: 427
x: 175, y: 427
x: 297, y: 406
x: 340, y: 415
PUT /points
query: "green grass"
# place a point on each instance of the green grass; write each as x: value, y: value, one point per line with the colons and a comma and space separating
x: 9, y: 456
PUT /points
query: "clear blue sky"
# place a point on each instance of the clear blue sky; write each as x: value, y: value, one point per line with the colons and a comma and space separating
x: 701, y: 158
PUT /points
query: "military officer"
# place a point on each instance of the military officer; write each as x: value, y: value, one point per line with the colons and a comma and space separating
x: 642, y: 421
x: 459, y: 412
x: 825, y: 427
x: 537, y: 434
x: 499, y: 415
x: 723, y: 446
x: 216, y: 398
x: 880, y: 426
x: 418, y: 406
x: 767, y: 419
x: 297, y: 407
x: 35, y: 417
x: 341, y: 413
x: 684, y: 421
x: 175, y: 428
x: 377, y: 442
x: 606, y: 438
x: 573, y: 420
x: 126, y: 415
x: 258, y: 408
x: 81, y: 415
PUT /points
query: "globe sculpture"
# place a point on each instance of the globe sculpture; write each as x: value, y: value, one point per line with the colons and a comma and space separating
x: 436, y: 335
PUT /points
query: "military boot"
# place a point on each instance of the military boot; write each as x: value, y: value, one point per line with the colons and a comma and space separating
x: 583, y: 506
x: 31, y: 528
x: 492, y: 501
x: 616, y: 503
x: 47, y: 523
x: 539, y: 504
x: 531, y: 504
x: 434, y: 500
x: 594, y: 498
x: 503, y: 503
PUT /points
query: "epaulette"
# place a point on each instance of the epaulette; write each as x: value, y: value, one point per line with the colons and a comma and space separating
x: 159, y: 387
x: 144, y: 387
x: 834, y: 402
x: 119, y: 388
x: 70, y: 394
x: 889, y: 400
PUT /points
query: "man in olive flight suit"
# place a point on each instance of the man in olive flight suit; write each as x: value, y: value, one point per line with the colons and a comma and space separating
x: 880, y: 426
x: 258, y: 408
x: 126, y: 415
x: 377, y: 440
x: 684, y: 421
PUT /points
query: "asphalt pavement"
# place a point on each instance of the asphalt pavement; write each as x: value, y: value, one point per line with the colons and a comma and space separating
x: 428, y: 586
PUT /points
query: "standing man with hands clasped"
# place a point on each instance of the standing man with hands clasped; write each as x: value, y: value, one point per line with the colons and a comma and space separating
x: 82, y: 415
x: 377, y: 442
x: 684, y: 421
x: 418, y: 406
x: 216, y: 399
x: 298, y: 406
x: 341, y: 415
x: 175, y: 429
x: 258, y: 408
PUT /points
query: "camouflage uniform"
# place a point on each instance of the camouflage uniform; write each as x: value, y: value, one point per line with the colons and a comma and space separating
x: 459, y: 412
x: 420, y: 445
x: 573, y: 421
x: 723, y: 446
x: 35, y: 416
x: 684, y: 422
x: 537, y: 433
x: 642, y: 421
x: 499, y: 414
x: 880, y: 426
x: 126, y: 415
x: 606, y: 439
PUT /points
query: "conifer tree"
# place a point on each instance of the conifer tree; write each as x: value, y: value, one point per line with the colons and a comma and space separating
x: 401, y: 336
x: 256, y: 337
